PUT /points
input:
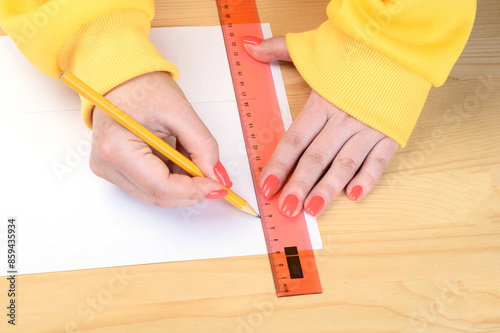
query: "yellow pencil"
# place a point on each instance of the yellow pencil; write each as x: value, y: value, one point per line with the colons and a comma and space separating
x: 146, y: 135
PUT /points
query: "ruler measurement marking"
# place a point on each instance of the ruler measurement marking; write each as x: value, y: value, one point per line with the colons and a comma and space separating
x: 257, y: 104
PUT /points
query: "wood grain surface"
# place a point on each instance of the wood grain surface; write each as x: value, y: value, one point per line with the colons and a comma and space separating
x: 421, y: 253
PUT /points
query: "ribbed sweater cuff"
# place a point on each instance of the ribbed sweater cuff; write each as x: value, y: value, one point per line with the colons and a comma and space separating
x: 111, y: 50
x: 362, y: 82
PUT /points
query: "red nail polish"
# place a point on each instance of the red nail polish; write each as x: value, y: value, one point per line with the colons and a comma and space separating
x: 290, y: 205
x: 356, y: 192
x: 222, y: 176
x: 270, y: 185
x: 315, y: 205
x: 251, y: 40
x: 217, y: 194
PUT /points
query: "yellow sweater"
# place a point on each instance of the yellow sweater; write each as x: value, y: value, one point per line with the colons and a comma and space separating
x: 374, y: 59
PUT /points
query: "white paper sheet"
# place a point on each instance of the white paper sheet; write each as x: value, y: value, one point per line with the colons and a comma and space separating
x: 69, y: 219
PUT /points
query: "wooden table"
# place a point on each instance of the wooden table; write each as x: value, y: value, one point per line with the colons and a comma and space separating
x: 421, y: 253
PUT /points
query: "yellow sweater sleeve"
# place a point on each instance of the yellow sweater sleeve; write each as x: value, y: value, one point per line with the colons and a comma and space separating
x: 377, y: 59
x: 104, y: 43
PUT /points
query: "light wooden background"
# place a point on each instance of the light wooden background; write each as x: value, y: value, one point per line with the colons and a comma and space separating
x: 421, y: 253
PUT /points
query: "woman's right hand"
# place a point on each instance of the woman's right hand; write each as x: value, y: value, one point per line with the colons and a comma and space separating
x: 120, y: 157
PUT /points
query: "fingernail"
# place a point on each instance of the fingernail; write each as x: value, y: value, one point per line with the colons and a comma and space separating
x: 356, y: 192
x: 290, y: 205
x: 270, y: 185
x: 217, y: 194
x: 251, y: 40
x: 222, y: 176
x: 315, y: 205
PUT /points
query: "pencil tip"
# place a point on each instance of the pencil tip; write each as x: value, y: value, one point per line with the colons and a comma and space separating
x: 249, y: 210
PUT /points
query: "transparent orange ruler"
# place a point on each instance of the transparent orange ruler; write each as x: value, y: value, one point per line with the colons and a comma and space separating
x: 288, y: 244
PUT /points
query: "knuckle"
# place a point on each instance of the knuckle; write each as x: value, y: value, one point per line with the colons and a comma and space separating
x: 275, y: 44
x: 210, y: 144
x: 161, y: 204
x: 302, y: 185
x: 370, y: 180
x: 347, y: 164
x: 193, y: 192
x: 329, y: 190
x: 105, y: 150
x: 317, y: 157
x: 161, y: 197
x: 276, y: 167
x: 293, y: 139
x: 275, y: 41
x: 379, y: 162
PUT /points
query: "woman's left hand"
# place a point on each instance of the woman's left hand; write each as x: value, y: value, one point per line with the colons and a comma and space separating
x: 330, y: 149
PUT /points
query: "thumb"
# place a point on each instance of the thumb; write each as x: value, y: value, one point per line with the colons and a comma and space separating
x: 267, y: 50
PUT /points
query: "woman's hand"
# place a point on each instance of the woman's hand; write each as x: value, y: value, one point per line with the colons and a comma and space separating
x: 330, y: 149
x: 117, y: 155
